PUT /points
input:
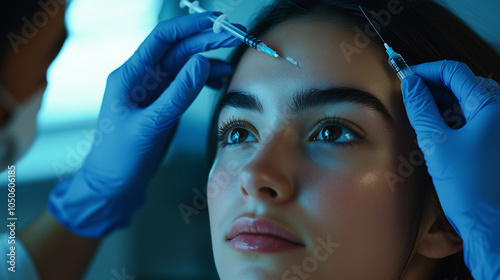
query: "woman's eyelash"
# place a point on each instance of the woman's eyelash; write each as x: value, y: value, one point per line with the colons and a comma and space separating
x: 232, y: 123
x: 341, y: 122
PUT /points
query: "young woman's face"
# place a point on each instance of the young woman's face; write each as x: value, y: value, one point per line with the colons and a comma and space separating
x: 311, y: 179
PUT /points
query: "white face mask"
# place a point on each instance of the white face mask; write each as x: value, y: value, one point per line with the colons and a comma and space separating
x: 17, y: 135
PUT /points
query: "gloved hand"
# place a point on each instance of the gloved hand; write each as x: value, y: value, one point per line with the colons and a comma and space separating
x: 464, y: 162
x: 143, y: 101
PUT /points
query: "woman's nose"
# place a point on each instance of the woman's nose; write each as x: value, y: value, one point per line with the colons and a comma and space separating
x: 269, y: 175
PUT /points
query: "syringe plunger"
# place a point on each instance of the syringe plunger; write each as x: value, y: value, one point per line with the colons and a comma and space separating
x: 397, y: 63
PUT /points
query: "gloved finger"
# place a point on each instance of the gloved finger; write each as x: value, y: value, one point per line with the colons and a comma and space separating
x: 421, y: 109
x: 168, y: 32
x: 215, y: 83
x: 443, y: 96
x: 489, y: 86
x: 161, y: 77
x: 219, y: 69
x: 174, y: 101
x: 180, y: 53
x: 453, y: 75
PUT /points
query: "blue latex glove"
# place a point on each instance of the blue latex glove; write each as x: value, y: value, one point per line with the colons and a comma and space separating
x: 143, y: 101
x: 464, y: 162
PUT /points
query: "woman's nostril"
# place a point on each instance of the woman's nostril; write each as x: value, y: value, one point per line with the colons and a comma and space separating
x: 245, y: 193
x: 269, y: 192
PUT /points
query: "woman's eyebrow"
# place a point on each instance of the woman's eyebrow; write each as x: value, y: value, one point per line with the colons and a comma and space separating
x: 308, y: 99
x: 239, y: 100
x: 311, y: 98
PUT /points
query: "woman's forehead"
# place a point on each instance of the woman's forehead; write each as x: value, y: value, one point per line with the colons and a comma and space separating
x: 320, y: 48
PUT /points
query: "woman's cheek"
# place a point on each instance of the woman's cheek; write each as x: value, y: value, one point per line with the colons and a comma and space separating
x: 357, y: 209
x: 222, y: 188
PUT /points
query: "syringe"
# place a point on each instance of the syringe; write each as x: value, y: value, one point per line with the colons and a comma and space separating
x: 396, y: 61
x: 222, y: 23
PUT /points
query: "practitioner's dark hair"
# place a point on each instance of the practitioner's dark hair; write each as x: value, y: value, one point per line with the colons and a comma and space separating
x: 11, y: 20
x: 422, y: 31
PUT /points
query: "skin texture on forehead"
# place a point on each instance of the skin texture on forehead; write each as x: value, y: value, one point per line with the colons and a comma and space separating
x: 321, y: 57
x: 337, y: 193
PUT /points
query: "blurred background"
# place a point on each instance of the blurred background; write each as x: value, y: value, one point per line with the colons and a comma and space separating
x: 161, y: 243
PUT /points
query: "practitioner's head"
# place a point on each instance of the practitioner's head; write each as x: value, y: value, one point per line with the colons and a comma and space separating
x: 32, y: 33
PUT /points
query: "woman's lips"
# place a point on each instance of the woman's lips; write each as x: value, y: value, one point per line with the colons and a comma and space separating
x: 260, y: 235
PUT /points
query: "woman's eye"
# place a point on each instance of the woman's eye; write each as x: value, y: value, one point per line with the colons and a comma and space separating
x: 335, y: 131
x: 235, y: 132
x: 237, y: 135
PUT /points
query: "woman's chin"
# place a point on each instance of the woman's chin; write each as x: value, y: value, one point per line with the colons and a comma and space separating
x: 252, y: 273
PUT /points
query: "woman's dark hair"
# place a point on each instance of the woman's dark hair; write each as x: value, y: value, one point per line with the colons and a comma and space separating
x: 422, y: 31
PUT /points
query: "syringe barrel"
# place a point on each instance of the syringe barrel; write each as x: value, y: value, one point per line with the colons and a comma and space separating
x: 259, y: 45
x: 221, y: 23
x: 399, y: 65
x: 253, y: 42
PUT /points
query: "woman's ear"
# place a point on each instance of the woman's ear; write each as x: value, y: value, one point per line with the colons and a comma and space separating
x: 439, y: 240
